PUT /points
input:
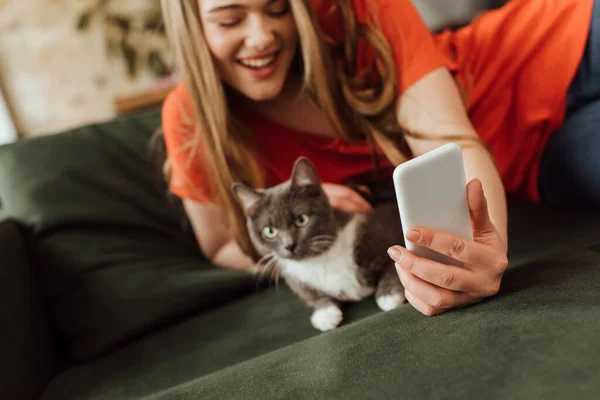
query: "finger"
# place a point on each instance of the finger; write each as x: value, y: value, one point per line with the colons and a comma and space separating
x: 364, y: 189
x: 435, y: 297
x: 478, y: 208
x: 423, y: 307
x: 445, y: 276
x: 341, y: 203
x: 335, y: 190
x: 361, y: 203
x: 471, y: 253
x: 348, y: 205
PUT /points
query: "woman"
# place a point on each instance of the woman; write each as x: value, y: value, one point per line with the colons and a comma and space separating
x: 359, y: 86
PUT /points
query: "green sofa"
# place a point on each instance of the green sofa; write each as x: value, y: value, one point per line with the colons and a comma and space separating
x: 105, y: 295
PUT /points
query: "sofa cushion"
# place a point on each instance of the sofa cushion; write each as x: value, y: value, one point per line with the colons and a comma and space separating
x: 28, y: 359
x: 537, y: 339
x: 113, y: 254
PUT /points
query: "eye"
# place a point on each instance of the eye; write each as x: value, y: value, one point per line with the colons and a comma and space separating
x: 280, y: 9
x: 229, y: 24
x: 302, y: 220
x: 270, y: 233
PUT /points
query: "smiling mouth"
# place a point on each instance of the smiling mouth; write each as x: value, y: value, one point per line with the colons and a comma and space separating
x: 259, y: 63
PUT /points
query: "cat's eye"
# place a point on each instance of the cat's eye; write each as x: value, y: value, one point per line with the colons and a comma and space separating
x: 270, y: 233
x: 302, y: 220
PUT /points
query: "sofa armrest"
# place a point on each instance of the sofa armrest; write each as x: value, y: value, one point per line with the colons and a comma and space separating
x: 26, y: 354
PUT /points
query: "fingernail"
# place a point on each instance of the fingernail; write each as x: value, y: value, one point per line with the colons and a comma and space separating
x: 413, y: 235
x: 395, y: 254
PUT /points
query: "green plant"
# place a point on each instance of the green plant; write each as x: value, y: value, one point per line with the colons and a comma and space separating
x: 139, y: 39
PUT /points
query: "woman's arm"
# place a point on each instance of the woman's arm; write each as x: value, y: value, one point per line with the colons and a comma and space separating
x: 210, y: 225
x: 433, y: 107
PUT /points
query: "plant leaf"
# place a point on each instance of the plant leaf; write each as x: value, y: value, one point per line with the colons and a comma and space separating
x: 130, y: 56
x: 157, y: 65
x: 120, y: 22
x: 84, y: 21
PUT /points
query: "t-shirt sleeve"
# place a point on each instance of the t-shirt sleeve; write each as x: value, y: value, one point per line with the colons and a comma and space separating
x: 189, y: 173
x: 412, y: 43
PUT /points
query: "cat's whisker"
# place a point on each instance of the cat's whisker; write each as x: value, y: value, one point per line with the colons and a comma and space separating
x: 276, y: 276
x: 321, y: 244
x: 275, y: 270
x: 272, y: 268
x: 322, y: 239
x: 327, y: 243
x: 319, y: 237
x: 319, y: 248
x: 268, y: 266
x: 264, y: 262
x: 265, y: 258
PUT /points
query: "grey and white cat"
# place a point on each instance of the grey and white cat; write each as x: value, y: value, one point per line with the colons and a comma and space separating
x: 326, y: 256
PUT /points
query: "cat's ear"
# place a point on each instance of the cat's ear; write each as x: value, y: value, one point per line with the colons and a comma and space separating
x: 247, y: 197
x: 304, y: 173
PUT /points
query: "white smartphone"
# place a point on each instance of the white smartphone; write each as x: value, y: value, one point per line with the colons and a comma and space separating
x: 432, y: 192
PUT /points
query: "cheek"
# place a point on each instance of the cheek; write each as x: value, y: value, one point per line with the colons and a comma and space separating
x: 289, y: 33
x: 222, y: 45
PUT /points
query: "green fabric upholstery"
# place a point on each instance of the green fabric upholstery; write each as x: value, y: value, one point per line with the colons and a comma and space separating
x: 536, y: 340
x: 27, y: 354
x: 114, y: 259
x: 145, y: 316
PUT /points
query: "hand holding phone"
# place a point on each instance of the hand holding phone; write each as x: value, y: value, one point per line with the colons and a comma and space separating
x: 431, y: 191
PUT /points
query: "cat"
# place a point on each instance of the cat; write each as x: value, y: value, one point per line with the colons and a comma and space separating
x: 326, y: 256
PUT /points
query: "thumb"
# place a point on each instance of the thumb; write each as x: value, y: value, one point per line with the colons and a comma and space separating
x: 479, y: 208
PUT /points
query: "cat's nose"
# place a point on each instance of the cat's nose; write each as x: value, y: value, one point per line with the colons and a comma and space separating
x: 291, y: 247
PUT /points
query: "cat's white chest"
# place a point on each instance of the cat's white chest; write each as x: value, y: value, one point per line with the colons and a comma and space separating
x: 334, y: 272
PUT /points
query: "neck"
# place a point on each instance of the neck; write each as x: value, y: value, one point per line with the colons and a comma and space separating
x: 293, y: 108
x: 289, y: 96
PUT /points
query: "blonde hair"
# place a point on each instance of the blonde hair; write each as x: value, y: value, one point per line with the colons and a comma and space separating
x: 330, y: 81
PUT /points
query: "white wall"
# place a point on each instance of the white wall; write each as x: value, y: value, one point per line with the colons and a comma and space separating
x: 8, y: 132
x: 53, y: 77
x: 438, y: 14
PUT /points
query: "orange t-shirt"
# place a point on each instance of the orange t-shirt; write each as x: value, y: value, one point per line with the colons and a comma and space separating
x: 520, y: 60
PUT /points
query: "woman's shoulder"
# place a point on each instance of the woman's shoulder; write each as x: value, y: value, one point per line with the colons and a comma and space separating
x: 178, y: 100
x: 178, y: 111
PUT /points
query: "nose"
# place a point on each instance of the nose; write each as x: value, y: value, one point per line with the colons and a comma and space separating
x: 260, y: 35
x: 291, y: 247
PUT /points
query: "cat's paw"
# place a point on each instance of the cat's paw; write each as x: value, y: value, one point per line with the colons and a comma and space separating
x: 326, y: 318
x: 390, y: 301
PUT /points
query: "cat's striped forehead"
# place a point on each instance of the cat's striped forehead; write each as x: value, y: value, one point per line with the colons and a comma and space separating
x: 284, y: 202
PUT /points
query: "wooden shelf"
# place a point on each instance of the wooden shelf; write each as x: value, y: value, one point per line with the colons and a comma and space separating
x: 142, y: 100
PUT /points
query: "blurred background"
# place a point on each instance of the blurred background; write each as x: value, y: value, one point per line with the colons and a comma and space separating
x: 65, y: 63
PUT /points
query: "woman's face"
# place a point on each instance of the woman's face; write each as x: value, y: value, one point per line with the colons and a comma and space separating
x: 253, y: 43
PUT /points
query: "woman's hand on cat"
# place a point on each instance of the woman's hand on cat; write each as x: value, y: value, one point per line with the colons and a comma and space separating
x: 346, y: 199
x: 434, y: 288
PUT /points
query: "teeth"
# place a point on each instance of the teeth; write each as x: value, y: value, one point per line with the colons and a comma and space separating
x: 258, y: 63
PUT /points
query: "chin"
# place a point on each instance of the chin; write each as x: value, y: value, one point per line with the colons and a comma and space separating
x: 263, y: 94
